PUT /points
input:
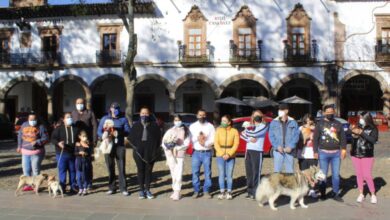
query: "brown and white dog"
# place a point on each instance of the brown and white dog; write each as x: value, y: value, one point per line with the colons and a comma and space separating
x: 35, y: 181
x: 295, y: 185
x: 54, y: 187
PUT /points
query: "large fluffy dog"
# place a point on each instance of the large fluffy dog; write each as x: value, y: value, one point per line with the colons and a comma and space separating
x: 294, y: 185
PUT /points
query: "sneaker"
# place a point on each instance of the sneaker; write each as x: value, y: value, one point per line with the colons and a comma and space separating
x: 125, y: 193
x: 249, y: 196
x: 207, y: 195
x: 337, y: 198
x: 221, y: 196
x: 27, y: 188
x: 374, y: 200
x: 149, y: 195
x: 141, y: 195
x: 80, y: 192
x: 176, y: 196
x: 229, y: 196
x: 313, y: 194
x: 85, y: 192
x: 195, y: 195
x: 110, y: 192
x: 360, y: 198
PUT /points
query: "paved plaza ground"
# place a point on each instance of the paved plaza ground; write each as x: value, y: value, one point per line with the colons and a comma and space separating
x: 97, y: 205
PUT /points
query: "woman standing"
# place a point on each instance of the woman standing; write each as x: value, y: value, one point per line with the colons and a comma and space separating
x: 254, y: 135
x: 365, y: 135
x: 175, y: 143
x: 226, y: 143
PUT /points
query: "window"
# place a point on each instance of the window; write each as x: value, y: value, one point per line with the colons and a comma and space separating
x: 298, y: 41
x: 195, y: 42
x: 109, y: 42
x: 4, y: 45
x: 385, y: 41
x: 244, y: 42
x: 49, y: 47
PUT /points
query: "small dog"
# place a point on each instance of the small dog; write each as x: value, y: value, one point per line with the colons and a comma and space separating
x: 35, y: 181
x: 110, y: 135
x: 293, y: 185
x: 54, y: 187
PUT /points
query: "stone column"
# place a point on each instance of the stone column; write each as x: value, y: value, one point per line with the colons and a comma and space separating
x: 2, y: 106
x: 216, y: 114
x: 386, y: 102
x: 171, y: 107
x: 50, y: 109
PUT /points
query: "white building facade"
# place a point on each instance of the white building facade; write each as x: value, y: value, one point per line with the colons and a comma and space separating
x: 192, y: 52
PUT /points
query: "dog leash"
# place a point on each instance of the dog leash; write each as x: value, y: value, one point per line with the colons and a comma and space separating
x: 138, y: 154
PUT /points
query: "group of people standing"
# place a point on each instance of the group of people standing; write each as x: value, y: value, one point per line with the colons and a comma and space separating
x: 316, y: 142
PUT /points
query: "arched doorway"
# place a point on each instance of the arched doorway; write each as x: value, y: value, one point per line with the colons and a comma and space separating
x: 106, y: 90
x: 361, y: 92
x: 242, y: 89
x: 26, y: 96
x: 153, y: 94
x: 304, y: 88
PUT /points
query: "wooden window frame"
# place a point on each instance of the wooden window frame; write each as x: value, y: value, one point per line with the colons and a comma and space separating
x: 195, y: 20
x: 244, y: 19
x: 110, y: 29
x: 6, y: 33
x: 55, y: 31
x: 298, y: 18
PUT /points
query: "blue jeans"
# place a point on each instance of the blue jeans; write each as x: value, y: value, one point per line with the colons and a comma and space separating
x: 286, y: 159
x: 82, y: 172
x: 66, y: 164
x: 199, y: 158
x: 225, y: 169
x: 334, y: 160
x: 32, y: 164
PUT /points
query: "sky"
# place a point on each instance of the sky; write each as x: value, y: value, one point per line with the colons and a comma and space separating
x: 5, y: 3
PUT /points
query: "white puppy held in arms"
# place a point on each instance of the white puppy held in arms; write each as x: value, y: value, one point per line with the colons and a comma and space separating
x: 295, y: 185
x: 54, y: 187
x: 109, y: 137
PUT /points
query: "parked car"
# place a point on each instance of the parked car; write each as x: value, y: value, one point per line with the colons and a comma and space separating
x: 237, y: 123
x: 346, y: 126
x: 6, y: 128
x: 379, y: 118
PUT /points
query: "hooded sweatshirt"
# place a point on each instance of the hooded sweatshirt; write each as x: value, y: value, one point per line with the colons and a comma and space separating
x: 28, y: 135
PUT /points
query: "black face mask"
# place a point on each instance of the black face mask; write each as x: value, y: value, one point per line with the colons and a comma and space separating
x: 329, y: 117
x: 202, y: 119
x: 258, y: 119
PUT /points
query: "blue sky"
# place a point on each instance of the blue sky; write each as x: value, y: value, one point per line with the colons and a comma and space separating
x: 5, y: 3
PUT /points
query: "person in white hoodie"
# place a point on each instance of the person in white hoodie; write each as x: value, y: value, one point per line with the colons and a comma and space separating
x: 254, y: 135
x: 175, y: 143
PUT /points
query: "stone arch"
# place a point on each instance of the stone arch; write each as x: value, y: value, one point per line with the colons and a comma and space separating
x: 320, y: 86
x: 377, y: 76
x: 197, y: 76
x: 255, y: 77
x: 84, y: 85
x: 15, y: 81
x: 159, y: 78
x: 103, y: 78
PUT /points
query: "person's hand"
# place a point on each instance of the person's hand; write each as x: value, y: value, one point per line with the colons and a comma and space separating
x: 78, y: 144
x: 18, y: 150
x: 287, y: 150
x: 280, y: 150
x: 226, y: 156
x: 357, y: 130
x: 316, y: 156
x: 343, y: 154
x: 174, y: 152
x: 202, y: 140
x: 61, y: 145
x: 82, y: 153
x: 253, y: 140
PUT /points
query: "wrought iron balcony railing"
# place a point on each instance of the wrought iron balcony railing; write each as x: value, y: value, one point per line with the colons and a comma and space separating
x: 382, y: 54
x: 43, y: 58
x: 195, y: 57
x: 105, y: 57
x: 295, y: 57
x: 245, y: 56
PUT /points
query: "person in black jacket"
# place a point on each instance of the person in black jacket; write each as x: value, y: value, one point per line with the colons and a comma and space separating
x: 64, y: 138
x: 145, y: 137
x: 365, y: 135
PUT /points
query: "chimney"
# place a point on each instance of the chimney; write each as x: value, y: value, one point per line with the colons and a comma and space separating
x: 26, y: 3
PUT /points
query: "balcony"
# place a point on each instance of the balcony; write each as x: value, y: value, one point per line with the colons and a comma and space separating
x: 246, y: 56
x: 108, y: 57
x: 382, y: 55
x: 30, y: 60
x: 200, y: 57
x: 295, y: 59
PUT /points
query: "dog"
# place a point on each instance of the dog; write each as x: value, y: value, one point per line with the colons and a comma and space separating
x: 295, y: 185
x: 36, y: 181
x: 110, y: 135
x: 54, y: 187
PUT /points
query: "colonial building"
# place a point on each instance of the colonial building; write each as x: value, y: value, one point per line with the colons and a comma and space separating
x: 192, y: 52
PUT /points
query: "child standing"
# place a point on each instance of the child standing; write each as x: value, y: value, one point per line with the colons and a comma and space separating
x: 82, y: 162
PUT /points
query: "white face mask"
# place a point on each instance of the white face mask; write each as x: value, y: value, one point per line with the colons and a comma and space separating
x: 68, y: 121
x: 177, y: 123
x: 281, y: 113
x: 80, y: 107
x: 83, y: 138
x: 32, y: 123
x: 362, y: 122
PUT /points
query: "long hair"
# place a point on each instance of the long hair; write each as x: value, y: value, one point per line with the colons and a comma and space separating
x: 307, y: 116
x: 229, y: 118
x: 367, y: 117
x: 186, y: 130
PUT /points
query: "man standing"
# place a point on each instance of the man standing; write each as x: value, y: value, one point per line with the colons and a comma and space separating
x: 284, y: 136
x: 84, y: 119
x: 202, y: 135
x: 329, y: 146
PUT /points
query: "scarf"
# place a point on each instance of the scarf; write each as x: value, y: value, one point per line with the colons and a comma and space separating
x: 145, y: 131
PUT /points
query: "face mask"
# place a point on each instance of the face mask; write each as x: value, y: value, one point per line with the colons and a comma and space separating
x: 281, y: 113
x: 116, y: 112
x: 32, y: 123
x: 177, y: 123
x: 80, y: 107
x: 329, y: 117
x: 202, y: 120
x: 68, y: 121
x: 362, y: 122
x: 257, y: 118
x: 145, y: 118
x: 224, y: 125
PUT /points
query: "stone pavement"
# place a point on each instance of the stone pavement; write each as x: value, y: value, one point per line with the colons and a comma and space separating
x: 100, y: 206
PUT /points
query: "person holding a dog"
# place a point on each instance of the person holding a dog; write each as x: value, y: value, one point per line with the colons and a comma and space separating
x: 202, y: 135
x: 118, y: 150
x: 330, y: 145
x: 284, y: 136
x: 64, y: 139
x: 254, y: 136
x: 145, y: 138
x: 225, y: 144
x: 365, y: 135
x: 32, y: 138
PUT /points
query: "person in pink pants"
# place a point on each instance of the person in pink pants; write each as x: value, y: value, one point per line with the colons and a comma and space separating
x: 365, y: 135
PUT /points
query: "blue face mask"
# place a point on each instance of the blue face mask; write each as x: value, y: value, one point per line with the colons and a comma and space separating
x: 145, y: 118
x: 116, y: 112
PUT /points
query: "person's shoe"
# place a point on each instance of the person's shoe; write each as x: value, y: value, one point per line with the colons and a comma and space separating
x: 221, y: 196
x: 125, y: 193
x: 313, y: 194
x: 249, y: 196
x: 207, y: 195
x: 85, y: 192
x: 374, y: 200
x: 176, y: 196
x: 195, y: 195
x: 27, y: 188
x: 338, y: 198
x: 229, y: 196
x: 149, y: 195
x: 80, y: 192
x: 141, y: 195
x: 360, y: 198
x: 110, y: 192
